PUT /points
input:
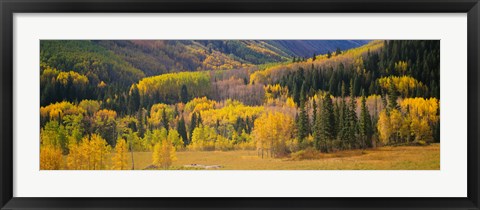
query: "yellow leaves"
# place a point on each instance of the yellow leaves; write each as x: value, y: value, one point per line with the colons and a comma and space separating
x: 222, y: 143
x: 274, y: 73
x: 401, y: 67
x: 175, y: 139
x: 199, y: 104
x: 203, y: 138
x: 76, y: 78
x: 395, y: 120
x: 404, y: 84
x: 290, y: 102
x: 156, y: 114
x: 90, y: 154
x: 60, y: 109
x: 415, y: 119
x: 423, y: 113
x: 51, y: 157
x: 272, y: 131
x: 198, y: 83
x: 105, y: 115
x: 220, y: 61
x: 101, y: 84
x: 164, y: 154
x: 384, y: 127
x: 275, y: 91
x: 422, y: 108
x: 229, y: 113
x: 120, y: 158
x: 90, y: 106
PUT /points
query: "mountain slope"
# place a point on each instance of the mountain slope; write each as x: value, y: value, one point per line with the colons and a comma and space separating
x: 306, y: 48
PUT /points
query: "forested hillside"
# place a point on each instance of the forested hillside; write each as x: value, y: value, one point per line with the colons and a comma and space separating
x: 114, y: 66
x: 109, y: 98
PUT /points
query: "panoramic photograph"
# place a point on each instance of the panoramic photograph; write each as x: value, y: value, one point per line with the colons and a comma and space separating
x: 239, y: 105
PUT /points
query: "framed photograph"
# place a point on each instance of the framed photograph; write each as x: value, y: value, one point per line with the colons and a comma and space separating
x: 239, y: 105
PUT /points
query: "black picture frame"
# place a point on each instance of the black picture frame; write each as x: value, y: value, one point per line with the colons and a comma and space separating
x: 9, y: 7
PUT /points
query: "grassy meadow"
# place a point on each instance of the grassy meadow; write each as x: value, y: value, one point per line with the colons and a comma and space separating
x: 382, y: 158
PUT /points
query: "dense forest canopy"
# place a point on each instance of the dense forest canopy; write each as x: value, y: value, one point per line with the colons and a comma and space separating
x: 278, y: 97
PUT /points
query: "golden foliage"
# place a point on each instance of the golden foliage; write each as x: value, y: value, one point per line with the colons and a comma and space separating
x: 164, y: 154
x: 51, y: 157
x: 198, y: 84
x: 90, y: 154
x: 120, y: 158
x: 271, y: 132
x: 199, y: 104
x: 203, y: 138
x: 76, y: 78
x: 230, y: 113
x: 403, y: 84
x: 348, y: 57
x: 60, y: 109
x: 90, y: 106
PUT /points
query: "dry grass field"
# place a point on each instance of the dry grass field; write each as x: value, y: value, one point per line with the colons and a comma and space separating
x: 383, y: 158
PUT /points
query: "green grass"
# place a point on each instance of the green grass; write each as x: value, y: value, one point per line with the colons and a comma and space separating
x: 384, y: 158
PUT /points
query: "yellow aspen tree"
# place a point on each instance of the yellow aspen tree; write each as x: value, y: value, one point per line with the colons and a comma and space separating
x: 395, y: 124
x: 74, y: 161
x: 164, y: 154
x: 384, y: 128
x: 120, y: 158
x: 51, y: 157
x: 99, y: 152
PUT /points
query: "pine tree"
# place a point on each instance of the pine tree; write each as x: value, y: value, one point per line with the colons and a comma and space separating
x: 165, y: 120
x: 140, y: 123
x: 193, y: 125
x: 296, y: 94
x: 199, y: 119
x: 133, y: 99
x: 182, y: 130
x: 303, y: 121
x: 327, y: 124
x: 392, y: 97
x: 314, y: 115
x: 343, y: 119
x: 338, y: 51
x: 365, y: 124
x: 317, y: 127
x: 184, y: 94
x: 352, y: 118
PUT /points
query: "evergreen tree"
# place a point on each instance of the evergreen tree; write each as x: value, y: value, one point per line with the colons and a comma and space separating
x: 317, y: 127
x: 165, y: 120
x: 352, y: 118
x: 296, y: 94
x: 343, y: 119
x: 193, y: 125
x: 365, y: 124
x: 199, y: 119
x: 303, y: 121
x: 140, y: 123
x: 327, y: 132
x: 314, y: 115
x: 184, y: 94
x: 134, y: 99
x: 338, y: 51
x: 182, y: 130
x: 392, y: 97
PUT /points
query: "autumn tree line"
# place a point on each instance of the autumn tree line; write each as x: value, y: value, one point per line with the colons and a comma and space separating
x: 363, y: 98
